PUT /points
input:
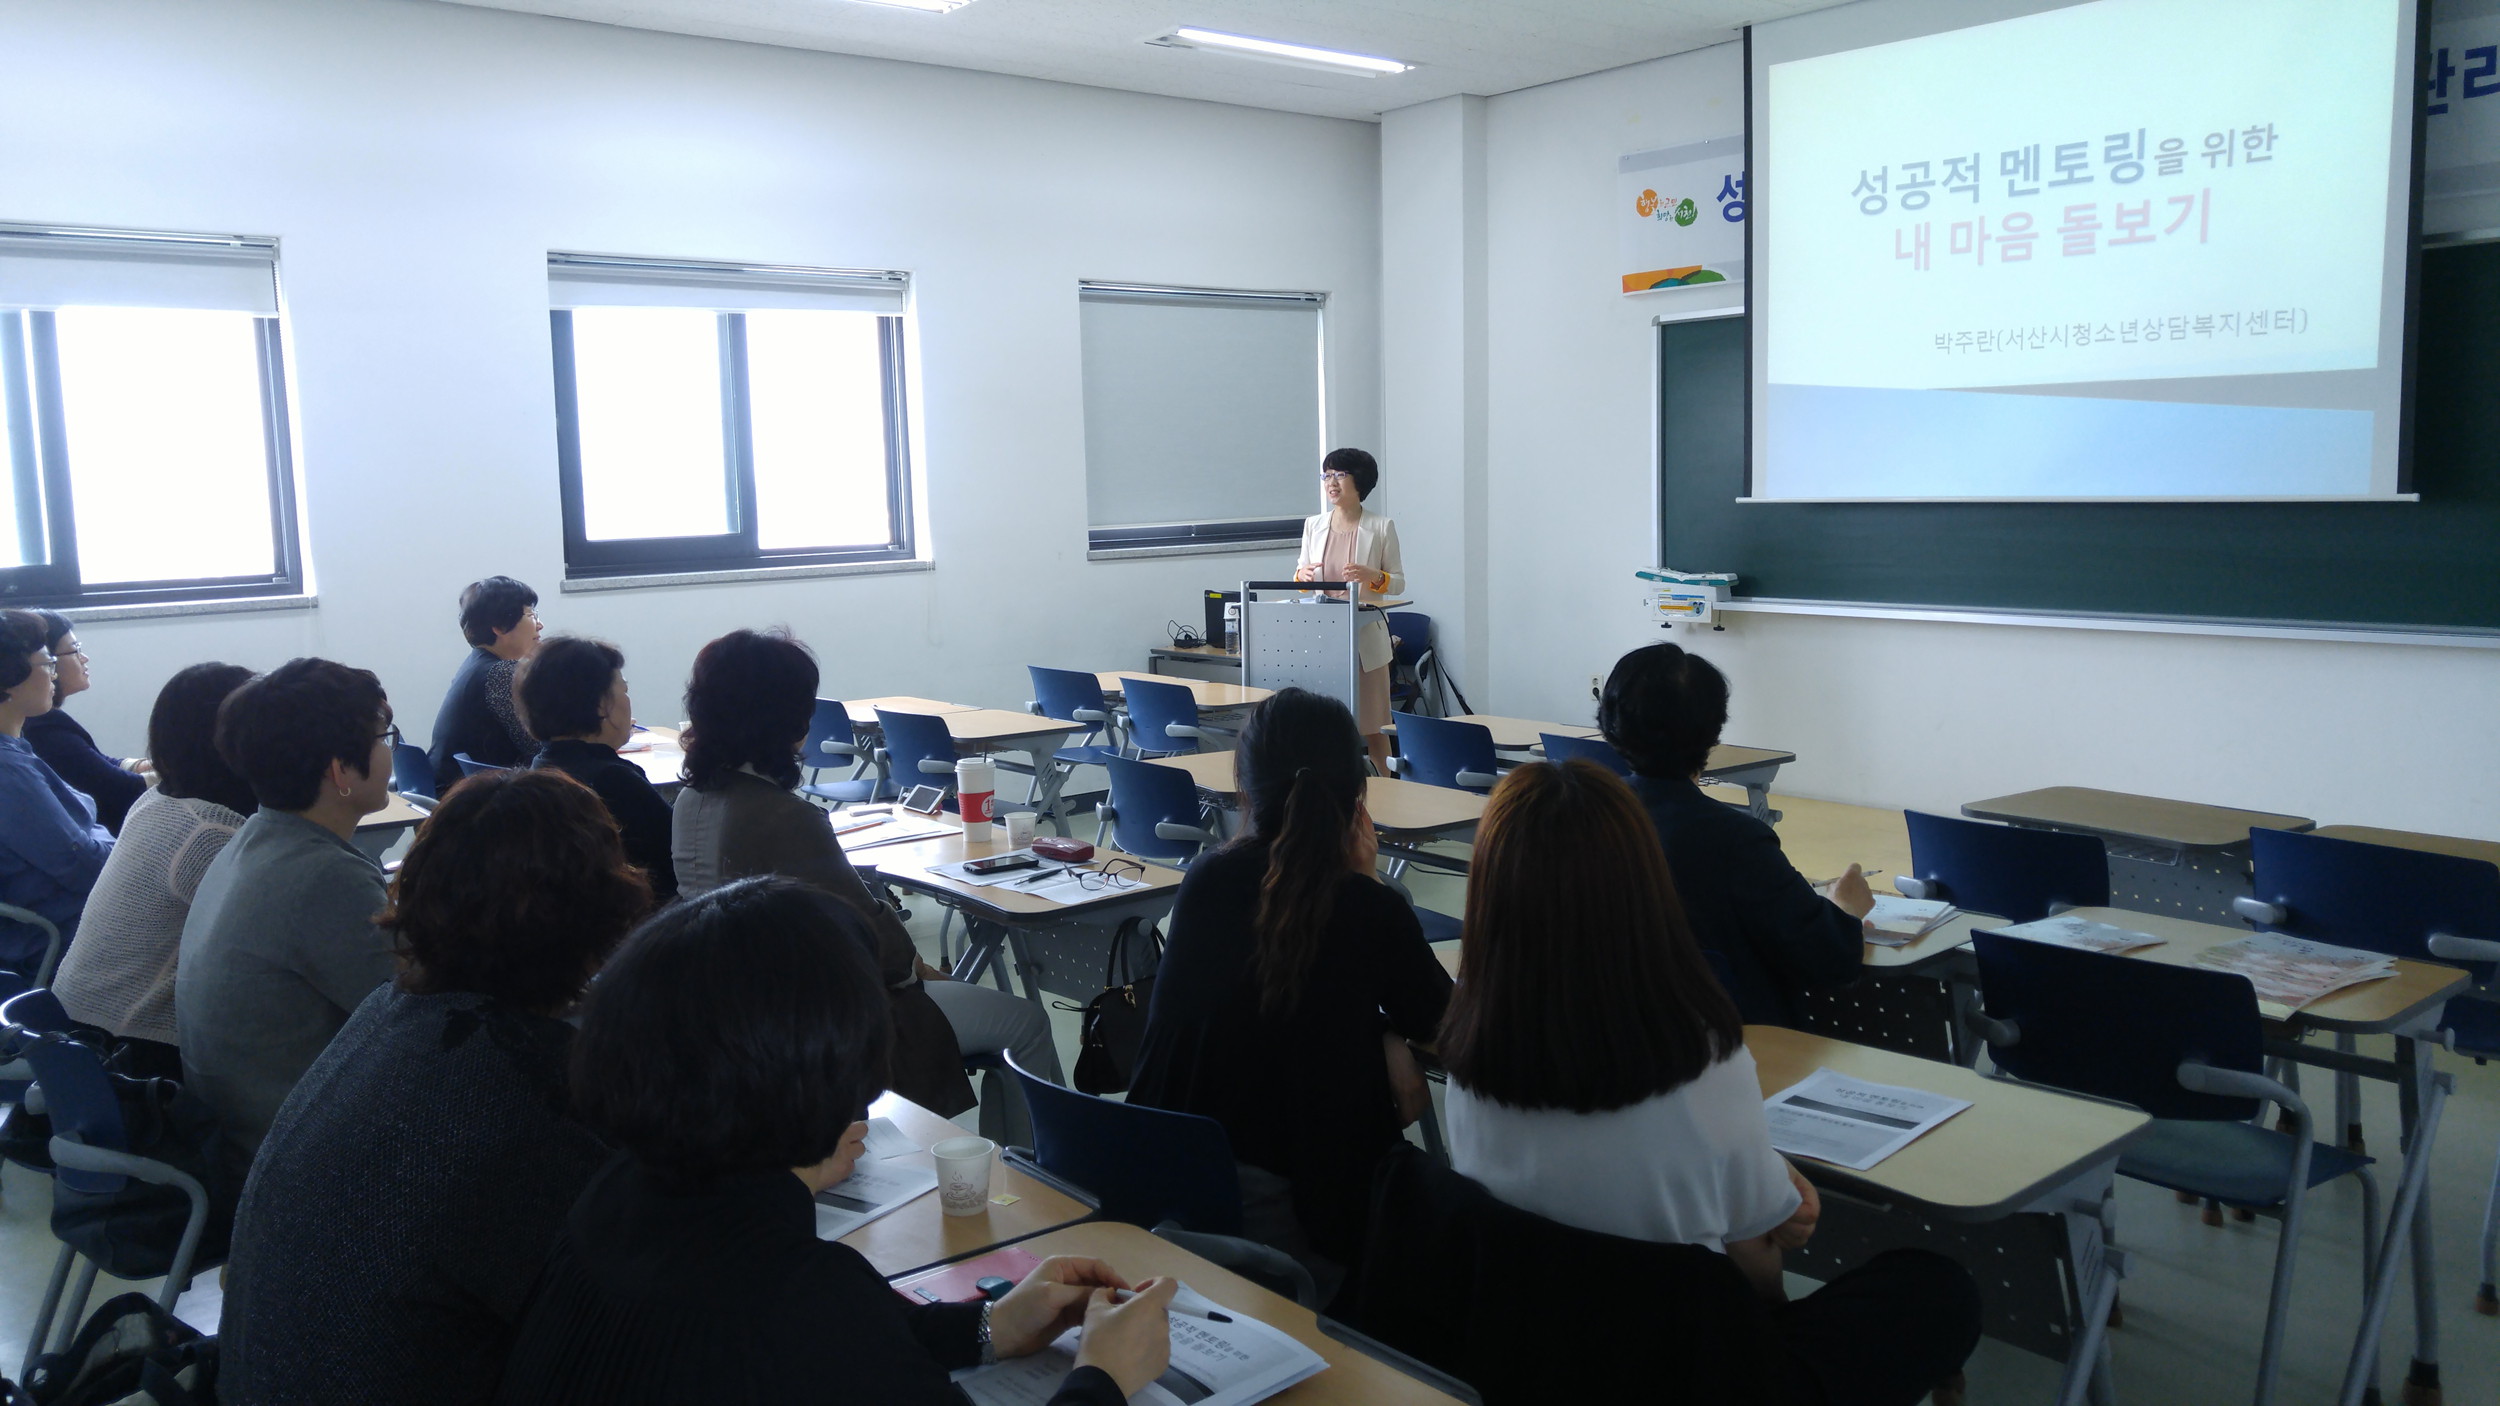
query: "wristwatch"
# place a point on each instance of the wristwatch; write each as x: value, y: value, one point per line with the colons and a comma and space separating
x: 989, y: 1350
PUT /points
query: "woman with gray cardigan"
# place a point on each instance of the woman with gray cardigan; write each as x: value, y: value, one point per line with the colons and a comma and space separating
x: 750, y: 701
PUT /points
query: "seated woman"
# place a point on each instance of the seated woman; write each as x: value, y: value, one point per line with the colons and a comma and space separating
x: 1293, y: 981
x: 112, y: 783
x: 750, y: 701
x: 499, y: 619
x: 730, y: 1052
x: 1599, y: 1078
x: 280, y: 945
x: 419, y: 1173
x: 120, y: 975
x: 51, y: 845
x: 1662, y: 709
x: 573, y: 697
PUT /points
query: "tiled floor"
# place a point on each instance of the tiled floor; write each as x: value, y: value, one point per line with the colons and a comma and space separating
x: 2195, y: 1304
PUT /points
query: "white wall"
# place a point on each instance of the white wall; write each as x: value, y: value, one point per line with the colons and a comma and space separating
x: 419, y: 160
x: 1879, y: 712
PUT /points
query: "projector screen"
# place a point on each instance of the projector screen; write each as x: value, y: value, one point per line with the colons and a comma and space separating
x: 2125, y: 249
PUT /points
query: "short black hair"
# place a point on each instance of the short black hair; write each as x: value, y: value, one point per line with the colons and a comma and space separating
x: 21, y: 634
x: 182, y: 737
x: 56, y: 626
x: 516, y: 888
x: 281, y: 731
x: 494, y: 604
x: 740, y: 1032
x: 559, y: 689
x: 751, y: 700
x: 1663, y: 710
x: 1355, y: 464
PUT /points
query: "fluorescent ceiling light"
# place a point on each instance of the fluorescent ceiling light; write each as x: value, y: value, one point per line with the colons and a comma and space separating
x: 935, y: 7
x: 1289, y: 53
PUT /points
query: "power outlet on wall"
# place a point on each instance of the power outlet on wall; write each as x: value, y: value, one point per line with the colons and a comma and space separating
x: 1597, y: 686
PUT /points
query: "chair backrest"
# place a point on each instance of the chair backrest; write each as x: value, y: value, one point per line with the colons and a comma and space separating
x: 1435, y: 750
x: 1063, y: 693
x: 471, y: 766
x: 2376, y: 897
x: 2119, y: 1027
x: 911, y: 738
x: 1410, y: 636
x: 1559, y: 748
x: 1443, y: 1265
x: 1143, y: 794
x: 412, y: 773
x: 2012, y: 872
x: 77, y: 1094
x: 1154, y: 706
x: 1145, y: 1165
x: 831, y: 723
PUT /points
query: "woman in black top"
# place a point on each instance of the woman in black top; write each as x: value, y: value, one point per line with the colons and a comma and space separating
x: 67, y: 747
x: 499, y: 619
x: 573, y: 698
x: 417, y: 1175
x: 730, y: 1051
x: 1294, y: 980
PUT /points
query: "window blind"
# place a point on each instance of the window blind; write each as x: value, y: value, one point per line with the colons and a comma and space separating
x: 59, y: 268
x: 598, y: 281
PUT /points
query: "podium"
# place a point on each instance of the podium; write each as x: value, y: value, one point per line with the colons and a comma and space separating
x: 1294, y: 636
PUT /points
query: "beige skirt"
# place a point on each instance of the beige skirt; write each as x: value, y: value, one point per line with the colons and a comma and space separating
x: 1372, y: 691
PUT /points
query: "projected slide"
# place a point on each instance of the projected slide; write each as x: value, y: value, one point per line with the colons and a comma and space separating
x: 2130, y: 248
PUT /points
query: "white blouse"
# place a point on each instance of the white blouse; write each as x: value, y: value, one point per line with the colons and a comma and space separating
x: 119, y: 971
x: 1691, y: 1166
x: 1376, y: 547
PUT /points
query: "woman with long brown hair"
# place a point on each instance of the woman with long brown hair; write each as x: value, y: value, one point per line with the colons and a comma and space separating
x: 1599, y: 1078
x: 1294, y: 980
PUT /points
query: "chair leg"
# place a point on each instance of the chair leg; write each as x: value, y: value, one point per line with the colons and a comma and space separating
x: 2487, y: 1302
x: 43, y: 1315
x: 65, y: 1327
x: 2348, y: 1098
x: 2286, y: 1252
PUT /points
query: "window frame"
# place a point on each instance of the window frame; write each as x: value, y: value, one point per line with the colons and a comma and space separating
x: 39, y: 458
x: 738, y: 550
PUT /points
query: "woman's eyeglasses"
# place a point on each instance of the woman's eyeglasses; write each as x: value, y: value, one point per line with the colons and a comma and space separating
x: 1111, y: 874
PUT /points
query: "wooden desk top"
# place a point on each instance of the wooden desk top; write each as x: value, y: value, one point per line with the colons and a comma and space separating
x: 908, y: 864
x: 1727, y: 756
x: 1352, y: 1378
x: 1823, y: 838
x: 398, y: 815
x: 2185, y: 824
x: 1397, y: 807
x: 1207, y: 692
x: 2012, y: 1144
x: 659, y: 753
x: 2371, y: 1006
x: 1212, y: 653
x: 1513, y: 734
x: 2488, y: 851
x: 919, y: 1234
x: 864, y: 710
x: 993, y: 726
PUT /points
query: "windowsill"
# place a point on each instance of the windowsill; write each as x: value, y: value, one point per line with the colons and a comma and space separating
x: 574, y: 585
x: 160, y: 610
x: 1193, y: 549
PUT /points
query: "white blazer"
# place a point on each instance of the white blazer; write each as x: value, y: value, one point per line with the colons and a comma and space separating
x: 1375, y: 546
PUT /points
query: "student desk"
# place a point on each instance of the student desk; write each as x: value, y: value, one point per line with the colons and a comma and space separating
x: 2017, y: 1187
x: 1064, y: 948
x: 1751, y: 769
x: 1194, y: 661
x: 2488, y: 851
x: 863, y: 711
x: 1406, y: 813
x: 1512, y: 734
x: 1352, y: 1378
x: 376, y: 833
x: 986, y: 730
x: 660, y: 755
x: 2165, y: 856
x: 920, y: 1234
x: 1220, y: 697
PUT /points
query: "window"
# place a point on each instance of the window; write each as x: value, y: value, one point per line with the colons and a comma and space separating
x: 1205, y: 418
x: 143, y: 419
x: 725, y: 417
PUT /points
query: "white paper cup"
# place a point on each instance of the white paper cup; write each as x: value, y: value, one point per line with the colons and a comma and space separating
x: 963, y: 1168
x: 1019, y: 828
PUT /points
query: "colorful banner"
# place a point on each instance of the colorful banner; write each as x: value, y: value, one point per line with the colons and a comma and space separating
x: 1682, y: 213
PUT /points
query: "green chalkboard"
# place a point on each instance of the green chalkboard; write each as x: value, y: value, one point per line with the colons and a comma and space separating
x: 2431, y: 564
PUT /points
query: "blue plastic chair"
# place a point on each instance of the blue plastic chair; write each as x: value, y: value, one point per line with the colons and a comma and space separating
x: 12, y: 982
x: 91, y: 1157
x: 1442, y: 752
x: 1162, y: 718
x: 918, y: 750
x: 2186, y: 1045
x: 412, y: 774
x: 2018, y: 874
x: 1078, y: 697
x: 1559, y: 748
x: 471, y: 766
x: 831, y: 742
x: 1153, y: 813
x: 1411, y: 659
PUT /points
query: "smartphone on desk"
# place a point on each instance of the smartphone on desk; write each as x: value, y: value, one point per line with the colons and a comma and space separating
x: 1001, y: 863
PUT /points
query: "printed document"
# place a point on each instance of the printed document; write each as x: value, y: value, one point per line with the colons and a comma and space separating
x: 874, y: 1187
x: 2291, y: 972
x: 1219, y: 1358
x: 1897, y: 922
x: 1850, y: 1122
x: 2067, y: 931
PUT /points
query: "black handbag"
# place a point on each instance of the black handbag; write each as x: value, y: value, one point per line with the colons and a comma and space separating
x: 1115, y: 1021
x: 129, y: 1353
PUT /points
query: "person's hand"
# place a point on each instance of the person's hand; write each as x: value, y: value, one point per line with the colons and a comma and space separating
x: 1406, y: 1079
x: 930, y: 973
x: 1306, y: 573
x: 1050, y: 1301
x: 1362, y: 575
x: 1794, y: 1232
x: 1362, y: 841
x: 854, y: 1145
x: 1850, y: 892
x: 1132, y: 1339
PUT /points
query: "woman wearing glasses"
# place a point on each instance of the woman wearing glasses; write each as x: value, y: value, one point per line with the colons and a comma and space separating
x: 1345, y: 543
x: 112, y: 783
x: 499, y: 619
x: 51, y: 847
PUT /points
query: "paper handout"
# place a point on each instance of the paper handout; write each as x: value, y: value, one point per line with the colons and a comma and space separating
x: 1850, y: 1122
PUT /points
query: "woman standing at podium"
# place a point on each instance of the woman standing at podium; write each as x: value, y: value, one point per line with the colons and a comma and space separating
x: 1345, y: 543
